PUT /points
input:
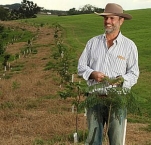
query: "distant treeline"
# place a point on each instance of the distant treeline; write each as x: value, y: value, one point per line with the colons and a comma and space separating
x: 87, y: 9
x: 28, y: 9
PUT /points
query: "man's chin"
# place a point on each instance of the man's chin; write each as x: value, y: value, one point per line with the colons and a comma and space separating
x: 108, y: 31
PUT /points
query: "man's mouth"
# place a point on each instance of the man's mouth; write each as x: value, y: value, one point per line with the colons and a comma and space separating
x: 108, y: 25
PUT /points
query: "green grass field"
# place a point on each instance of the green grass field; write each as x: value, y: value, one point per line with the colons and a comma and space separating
x: 80, y: 28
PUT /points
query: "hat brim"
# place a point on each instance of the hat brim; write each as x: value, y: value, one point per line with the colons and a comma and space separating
x: 125, y: 16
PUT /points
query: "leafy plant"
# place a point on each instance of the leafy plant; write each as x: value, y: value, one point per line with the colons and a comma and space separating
x: 117, y: 97
x: 2, y: 49
x: 7, y: 105
x: 76, y: 91
x: 15, y: 85
x: 1, y: 28
x: 38, y: 142
x: 62, y: 61
x: 6, y: 58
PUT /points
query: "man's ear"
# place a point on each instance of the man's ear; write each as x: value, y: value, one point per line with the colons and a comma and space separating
x: 121, y: 21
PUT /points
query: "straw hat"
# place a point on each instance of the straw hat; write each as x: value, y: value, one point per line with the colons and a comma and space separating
x: 114, y: 9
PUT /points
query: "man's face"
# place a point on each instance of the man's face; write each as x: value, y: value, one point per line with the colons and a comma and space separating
x: 112, y: 23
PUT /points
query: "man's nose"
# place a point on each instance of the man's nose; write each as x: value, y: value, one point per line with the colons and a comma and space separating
x: 108, y: 20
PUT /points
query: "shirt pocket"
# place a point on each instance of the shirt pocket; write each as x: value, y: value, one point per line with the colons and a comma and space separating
x: 118, y: 64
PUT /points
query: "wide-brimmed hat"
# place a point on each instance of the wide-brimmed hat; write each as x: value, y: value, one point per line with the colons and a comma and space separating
x: 114, y: 9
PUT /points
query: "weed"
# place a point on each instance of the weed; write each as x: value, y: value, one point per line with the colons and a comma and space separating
x: 31, y: 105
x: 7, y: 105
x: 15, y: 85
x: 38, y: 142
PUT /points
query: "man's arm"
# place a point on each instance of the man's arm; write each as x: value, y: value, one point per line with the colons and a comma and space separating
x: 132, y: 73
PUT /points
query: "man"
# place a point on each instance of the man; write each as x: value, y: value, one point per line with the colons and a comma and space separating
x: 113, y: 55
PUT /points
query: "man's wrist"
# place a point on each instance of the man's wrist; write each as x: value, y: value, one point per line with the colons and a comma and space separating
x: 92, y: 75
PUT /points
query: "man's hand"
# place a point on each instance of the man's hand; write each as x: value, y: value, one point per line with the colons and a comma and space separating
x: 98, y: 76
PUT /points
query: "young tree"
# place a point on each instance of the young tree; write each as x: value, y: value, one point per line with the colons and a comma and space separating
x: 2, y: 49
x: 73, y: 11
x: 4, y: 13
x: 28, y: 9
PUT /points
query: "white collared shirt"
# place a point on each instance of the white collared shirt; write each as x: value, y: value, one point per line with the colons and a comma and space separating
x: 120, y: 59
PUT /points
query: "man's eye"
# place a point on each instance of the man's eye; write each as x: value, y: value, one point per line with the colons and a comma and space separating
x: 111, y: 18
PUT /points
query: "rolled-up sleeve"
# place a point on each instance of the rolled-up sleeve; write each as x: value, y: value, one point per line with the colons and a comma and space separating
x: 132, y: 72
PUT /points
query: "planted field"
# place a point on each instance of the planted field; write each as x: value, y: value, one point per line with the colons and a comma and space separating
x: 32, y: 112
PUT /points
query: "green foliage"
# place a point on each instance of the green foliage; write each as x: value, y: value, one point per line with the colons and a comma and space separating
x: 61, y: 139
x: 117, y: 97
x: 27, y: 9
x: 7, y: 105
x: 4, y: 13
x: 2, y: 49
x: 28, y: 50
x: 17, y: 67
x: 72, y: 90
x: 15, y: 85
x: 62, y: 60
x: 6, y: 58
x: 50, y: 65
x: 38, y: 142
x: 48, y: 97
x: 34, y: 51
x: 82, y: 135
x: 7, y: 76
x: 16, y: 56
x: 10, y: 35
x: 1, y: 28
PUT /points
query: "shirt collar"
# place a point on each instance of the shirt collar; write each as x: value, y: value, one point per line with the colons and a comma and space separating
x: 118, y: 39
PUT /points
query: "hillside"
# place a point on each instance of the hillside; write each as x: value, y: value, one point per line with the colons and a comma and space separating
x: 11, y: 6
x: 31, y: 111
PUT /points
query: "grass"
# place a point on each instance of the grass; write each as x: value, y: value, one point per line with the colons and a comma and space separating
x: 19, y: 34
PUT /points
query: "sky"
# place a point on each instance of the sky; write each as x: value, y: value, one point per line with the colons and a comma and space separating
x: 68, y: 4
